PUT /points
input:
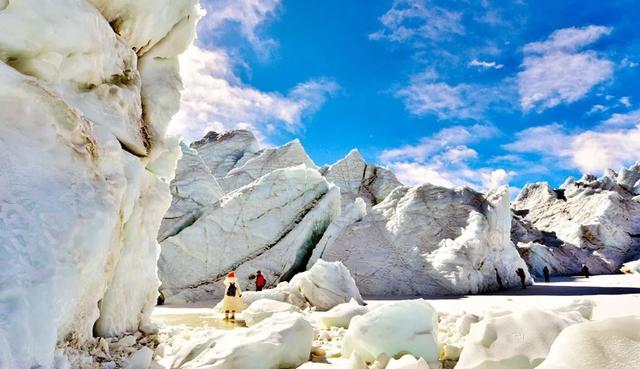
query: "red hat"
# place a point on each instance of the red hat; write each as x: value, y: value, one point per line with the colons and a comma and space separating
x: 231, y: 275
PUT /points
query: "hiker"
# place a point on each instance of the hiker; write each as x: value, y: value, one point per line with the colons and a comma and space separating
x: 585, y: 270
x: 232, y: 301
x: 498, y: 279
x: 520, y: 273
x: 260, y: 281
x: 545, y: 271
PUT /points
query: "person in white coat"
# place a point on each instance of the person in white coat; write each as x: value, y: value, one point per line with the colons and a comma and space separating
x: 232, y: 301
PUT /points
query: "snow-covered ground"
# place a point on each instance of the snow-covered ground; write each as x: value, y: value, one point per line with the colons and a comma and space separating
x: 543, y: 310
x: 614, y: 295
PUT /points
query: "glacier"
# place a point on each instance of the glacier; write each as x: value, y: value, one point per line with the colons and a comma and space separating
x: 87, y: 165
x: 239, y: 207
x: 593, y: 221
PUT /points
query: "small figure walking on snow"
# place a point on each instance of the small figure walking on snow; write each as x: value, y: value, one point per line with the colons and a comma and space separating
x: 260, y: 281
x: 585, y: 270
x: 520, y: 273
x: 545, y: 271
x: 232, y: 301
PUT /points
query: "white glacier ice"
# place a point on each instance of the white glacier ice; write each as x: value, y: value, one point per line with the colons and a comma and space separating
x: 408, y: 326
x: 269, y: 225
x: 518, y: 339
x: 610, y: 343
x: 86, y: 166
x: 429, y: 240
x: 592, y: 221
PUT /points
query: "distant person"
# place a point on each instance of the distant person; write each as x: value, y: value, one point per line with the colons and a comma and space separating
x: 545, y: 271
x: 520, y: 273
x: 585, y: 270
x: 232, y: 301
x: 498, y: 279
x: 260, y: 281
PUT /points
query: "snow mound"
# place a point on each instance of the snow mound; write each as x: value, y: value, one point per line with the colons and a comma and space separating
x: 408, y: 326
x: 452, y: 332
x: 264, y: 308
x: 280, y: 341
x: 515, y: 339
x: 341, y: 315
x: 326, y: 285
x: 593, y: 221
x: 609, y: 343
x: 407, y: 362
x: 429, y: 240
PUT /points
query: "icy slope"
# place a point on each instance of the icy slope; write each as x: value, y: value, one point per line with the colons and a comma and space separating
x: 595, y: 221
x: 269, y: 225
x: 193, y: 188
x: 429, y: 240
x: 356, y: 179
x: 86, y: 165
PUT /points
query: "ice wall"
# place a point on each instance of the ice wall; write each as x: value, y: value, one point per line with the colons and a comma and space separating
x: 87, y: 89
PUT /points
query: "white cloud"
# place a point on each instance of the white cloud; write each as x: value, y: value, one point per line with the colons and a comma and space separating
x: 445, y: 138
x: 484, y: 64
x: 629, y: 119
x: 628, y: 63
x: 215, y: 98
x: 591, y: 151
x: 556, y: 71
x: 248, y: 15
x: 463, y: 101
x: 626, y: 101
x: 417, y: 20
x: 598, y: 108
x: 443, y: 159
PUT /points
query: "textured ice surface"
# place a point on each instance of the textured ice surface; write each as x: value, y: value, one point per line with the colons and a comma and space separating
x: 408, y: 326
x: 593, y: 221
x: 86, y: 166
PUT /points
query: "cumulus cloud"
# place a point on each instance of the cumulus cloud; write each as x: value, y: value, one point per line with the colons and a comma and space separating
x: 417, y: 21
x: 626, y: 101
x: 445, y: 138
x: 443, y: 159
x: 215, y: 98
x: 485, y: 64
x: 247, y: 15
x: 557, y: 71
x: 623, y: 120
x: 609, y: 145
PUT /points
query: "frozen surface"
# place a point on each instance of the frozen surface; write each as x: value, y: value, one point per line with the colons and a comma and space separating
x: 517, y: 339
x: 281, y: 341
x: 265, y: 308
x: 341, y: 315
x: 593, y: 221
x: 610, y: 343
x: 86, y: 166
x: 408, y: 326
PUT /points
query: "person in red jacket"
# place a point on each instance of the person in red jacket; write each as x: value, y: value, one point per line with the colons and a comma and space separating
x: 260, y: 281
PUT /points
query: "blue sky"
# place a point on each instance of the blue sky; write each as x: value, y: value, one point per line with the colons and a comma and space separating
x: 471, y: 93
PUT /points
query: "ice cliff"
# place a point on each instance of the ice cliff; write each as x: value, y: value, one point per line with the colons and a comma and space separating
x: 238, y: 207
x: 87, y: 89
x: 592, y: 221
